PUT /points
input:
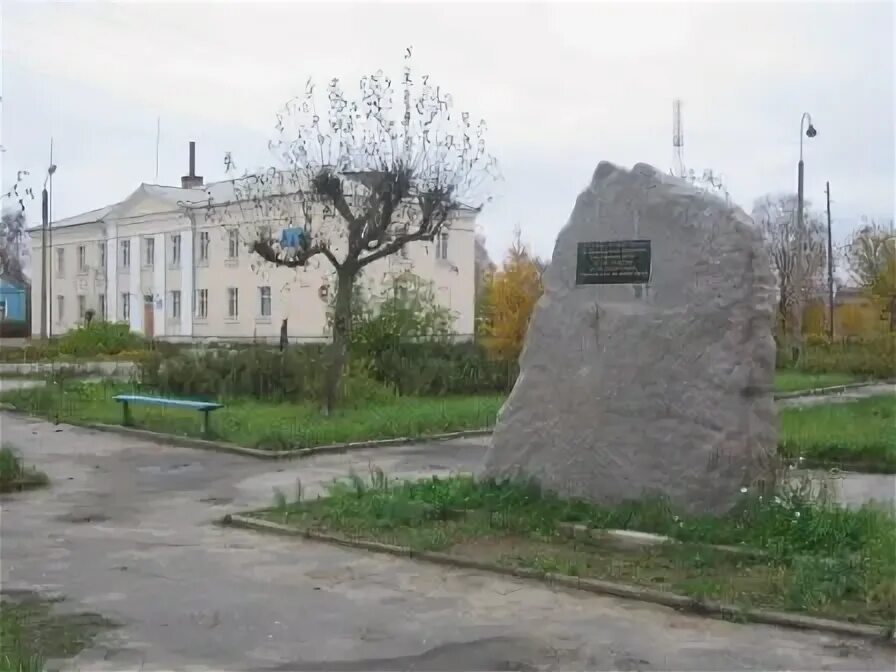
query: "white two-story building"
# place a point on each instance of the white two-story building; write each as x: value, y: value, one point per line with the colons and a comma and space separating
x: 156, y: 262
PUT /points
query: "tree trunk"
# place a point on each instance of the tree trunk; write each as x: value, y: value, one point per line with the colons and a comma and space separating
x: 338, y: 350
x: 796, y: 329
x: 893, y: 313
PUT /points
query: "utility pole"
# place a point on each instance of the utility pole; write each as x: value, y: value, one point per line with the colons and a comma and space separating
x: 827, y: 191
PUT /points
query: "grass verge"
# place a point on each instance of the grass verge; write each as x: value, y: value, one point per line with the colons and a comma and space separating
x: 817, y: 559
x: 860, y: 434
x: 270, y: 426
x: 796, y: 381
x: 31, y: 632
x: 14, y: 476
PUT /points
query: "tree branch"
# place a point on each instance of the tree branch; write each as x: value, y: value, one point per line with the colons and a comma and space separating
x: 265, y: 250
x: 422, y: 233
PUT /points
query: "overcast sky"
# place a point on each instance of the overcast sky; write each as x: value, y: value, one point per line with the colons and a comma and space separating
x: 562, y: 87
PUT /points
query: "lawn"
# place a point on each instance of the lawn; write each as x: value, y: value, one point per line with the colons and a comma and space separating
x: 270, y: 426
x: 795, y: 381
x: 815, y: 559
x: 14, y: 476
x: 858, y: 433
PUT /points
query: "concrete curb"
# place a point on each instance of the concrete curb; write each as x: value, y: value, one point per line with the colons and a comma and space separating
x: 681, y: 602
x: 191, y: 442
x: 842, y: 467
x: 836, y: 389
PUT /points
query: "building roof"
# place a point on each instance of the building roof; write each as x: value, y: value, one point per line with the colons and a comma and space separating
x: 217, y: 193
x: 84, y: 218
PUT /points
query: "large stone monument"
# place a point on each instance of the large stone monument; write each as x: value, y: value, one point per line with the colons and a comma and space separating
x: 649, y: 363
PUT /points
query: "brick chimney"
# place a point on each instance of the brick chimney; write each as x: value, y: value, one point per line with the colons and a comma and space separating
x: 192, y: 180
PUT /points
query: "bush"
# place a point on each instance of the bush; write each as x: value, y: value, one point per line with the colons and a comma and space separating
x: 215, y: 373
x: 100, y: 338
x: 873, y: 358
x: 439, y: 368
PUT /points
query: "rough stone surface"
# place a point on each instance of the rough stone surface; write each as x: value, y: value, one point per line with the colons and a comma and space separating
x: 670, y: 393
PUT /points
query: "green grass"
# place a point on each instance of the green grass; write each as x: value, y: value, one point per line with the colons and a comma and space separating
x: 32, y: 632
x: 272, y: 426
x: 795, y: 381
x: 14, y: 476
x: 857, y: 433
x: 818, y: 559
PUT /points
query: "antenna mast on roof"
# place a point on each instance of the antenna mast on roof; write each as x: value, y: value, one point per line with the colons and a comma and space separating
x: 677, y: 140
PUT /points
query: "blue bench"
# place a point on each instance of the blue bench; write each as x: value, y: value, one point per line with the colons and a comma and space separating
x: 204, y: 407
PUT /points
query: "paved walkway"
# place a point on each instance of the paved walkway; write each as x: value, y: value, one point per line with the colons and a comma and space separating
x: 126, y: 531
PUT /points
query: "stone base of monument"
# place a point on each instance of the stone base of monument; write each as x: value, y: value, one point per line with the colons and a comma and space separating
x: 648, y: 367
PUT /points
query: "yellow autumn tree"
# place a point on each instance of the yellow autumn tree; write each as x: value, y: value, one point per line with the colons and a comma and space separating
x: 511, y: 295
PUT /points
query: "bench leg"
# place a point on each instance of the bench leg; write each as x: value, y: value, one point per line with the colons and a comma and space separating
x: 126, y: 414
x: 204, y: 423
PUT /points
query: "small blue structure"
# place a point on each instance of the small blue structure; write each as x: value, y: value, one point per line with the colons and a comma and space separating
x: 13, y: 301
x: 292, y: 238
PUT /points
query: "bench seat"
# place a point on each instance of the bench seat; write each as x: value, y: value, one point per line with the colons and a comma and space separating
x: 204, y: 407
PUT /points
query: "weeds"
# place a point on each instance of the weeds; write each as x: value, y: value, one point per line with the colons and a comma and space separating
x: 14, y: 475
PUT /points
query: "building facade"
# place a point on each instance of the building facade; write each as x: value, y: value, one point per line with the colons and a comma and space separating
x: 171, y: 272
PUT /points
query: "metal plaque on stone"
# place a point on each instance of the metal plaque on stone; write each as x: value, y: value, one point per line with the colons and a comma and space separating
x: 613, y: 262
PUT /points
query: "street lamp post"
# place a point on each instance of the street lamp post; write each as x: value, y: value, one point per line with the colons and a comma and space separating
x: 45, y: 224
x: 810, y: 133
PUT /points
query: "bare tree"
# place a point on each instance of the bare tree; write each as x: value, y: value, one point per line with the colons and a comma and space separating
x: 356, y: 181
x: 797, y: 254
x: 871, y: 256
x: 15, y: 251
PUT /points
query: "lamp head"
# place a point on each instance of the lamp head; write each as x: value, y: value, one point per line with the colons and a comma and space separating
x: 51, y: 169
x: 811, y: 132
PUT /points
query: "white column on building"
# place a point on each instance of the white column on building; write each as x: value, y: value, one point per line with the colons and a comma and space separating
x: 112, y: 275
x: 135, y: 290
x: 159, y: 289
x: 187, y: 268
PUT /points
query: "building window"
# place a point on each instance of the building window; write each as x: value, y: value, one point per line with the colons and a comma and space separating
x: 201, y: 304
x: 233, y: 243
x: 175, y: 303
x: 175, y: 249
x: 60, y: 262
x: 2, y: 309
x: 149, y: 251
x: 203, y: 246
x: 442, y: 245
x: 60, y: 307
x: 101, y: 302
x: 403, y: 251
x: 125, y: 254
x: 82, y: 259
x: 233, y: 303
x: 82, y: 306
x: 126, y: 307
x: 102, y: 251
x: 264, y: 300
